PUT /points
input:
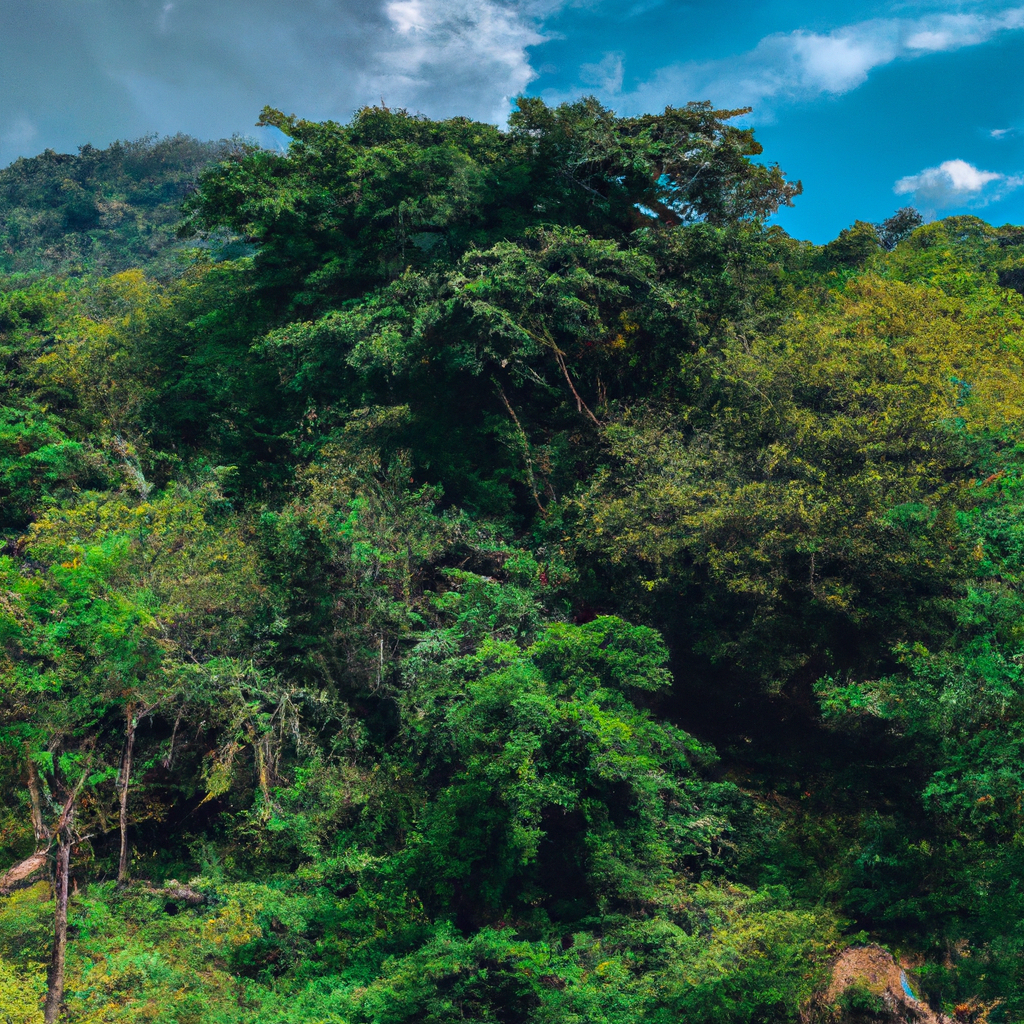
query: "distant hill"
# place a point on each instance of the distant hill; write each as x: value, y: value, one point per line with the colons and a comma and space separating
x: 102, y: 210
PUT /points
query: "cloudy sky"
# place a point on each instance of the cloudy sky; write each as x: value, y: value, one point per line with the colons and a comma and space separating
x: 873, y: 105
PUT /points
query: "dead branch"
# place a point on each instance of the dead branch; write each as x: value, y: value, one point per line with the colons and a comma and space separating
x: 22, y: 872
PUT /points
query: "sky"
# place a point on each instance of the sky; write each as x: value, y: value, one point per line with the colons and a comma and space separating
x: 872, y: 105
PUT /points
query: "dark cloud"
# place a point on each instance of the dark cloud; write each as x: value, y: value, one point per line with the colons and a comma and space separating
x: 76, y: 71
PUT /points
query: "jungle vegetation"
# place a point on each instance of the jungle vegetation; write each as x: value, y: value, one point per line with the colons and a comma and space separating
x: 510, y: 581
x: 101, y: 211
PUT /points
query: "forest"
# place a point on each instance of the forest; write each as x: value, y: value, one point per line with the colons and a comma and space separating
x: 461, y: 574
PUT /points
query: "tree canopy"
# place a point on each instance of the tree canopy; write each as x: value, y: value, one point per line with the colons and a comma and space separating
x: 501, y: 576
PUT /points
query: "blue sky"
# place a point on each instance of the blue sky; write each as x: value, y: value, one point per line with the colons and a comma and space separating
x: 873, y: 106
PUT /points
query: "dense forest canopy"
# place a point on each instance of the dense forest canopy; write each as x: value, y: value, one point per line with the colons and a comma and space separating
x: 101, y: 211
x: 499, y: 576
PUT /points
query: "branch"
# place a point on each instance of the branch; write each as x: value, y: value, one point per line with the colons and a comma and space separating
x: 548, y: 342
x: 581, y: 406
x: 68, y: 811
x: 20, y: 872
x: 526, y: 448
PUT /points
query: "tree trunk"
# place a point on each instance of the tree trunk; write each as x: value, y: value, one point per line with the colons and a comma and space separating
x: 126, y: 774
x: 36, y: 802
x: 55, y: 982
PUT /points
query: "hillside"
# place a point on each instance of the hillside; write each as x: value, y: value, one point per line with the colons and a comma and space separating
x: 103, y: 210
x: 527, y: 587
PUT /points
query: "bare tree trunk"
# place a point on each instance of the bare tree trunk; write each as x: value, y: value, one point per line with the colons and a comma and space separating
x: 126, y: 774
x: 37, y: 805
x: 55, y: 982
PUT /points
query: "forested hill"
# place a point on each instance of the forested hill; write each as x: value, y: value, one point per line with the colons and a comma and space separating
x: 103, y: 210
x: 528, y: 587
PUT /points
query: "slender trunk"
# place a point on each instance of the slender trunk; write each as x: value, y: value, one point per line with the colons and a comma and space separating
x: 37, y: 805
x: 55, y: 982
x: 126, y: 774
x: 526, y: 452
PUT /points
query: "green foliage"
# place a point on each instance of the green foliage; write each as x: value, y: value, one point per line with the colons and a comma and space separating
x: 531, y: 587
x: 140, y: 961
x: 19, y: 998
x: 352, y: 206
x: 854, y: 246
x: 100, y: 211
x: 900, y: 226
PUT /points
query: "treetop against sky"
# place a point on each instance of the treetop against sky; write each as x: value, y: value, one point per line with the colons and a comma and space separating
x: 872, y: 105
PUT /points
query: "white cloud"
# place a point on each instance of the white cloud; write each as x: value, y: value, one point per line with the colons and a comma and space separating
x: 800, y: 65
x: 962, y: 177
x: 165, y: 15
x: 473, y: 50
x: 408, y: 16
x: 834, y: 63
x: 106, y: 69
x: 956, y: 183
x: 606, y: 75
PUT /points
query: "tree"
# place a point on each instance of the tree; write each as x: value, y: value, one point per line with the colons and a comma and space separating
x: 91, y: 642
x: 350, y: 207
x: 899, y: 226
